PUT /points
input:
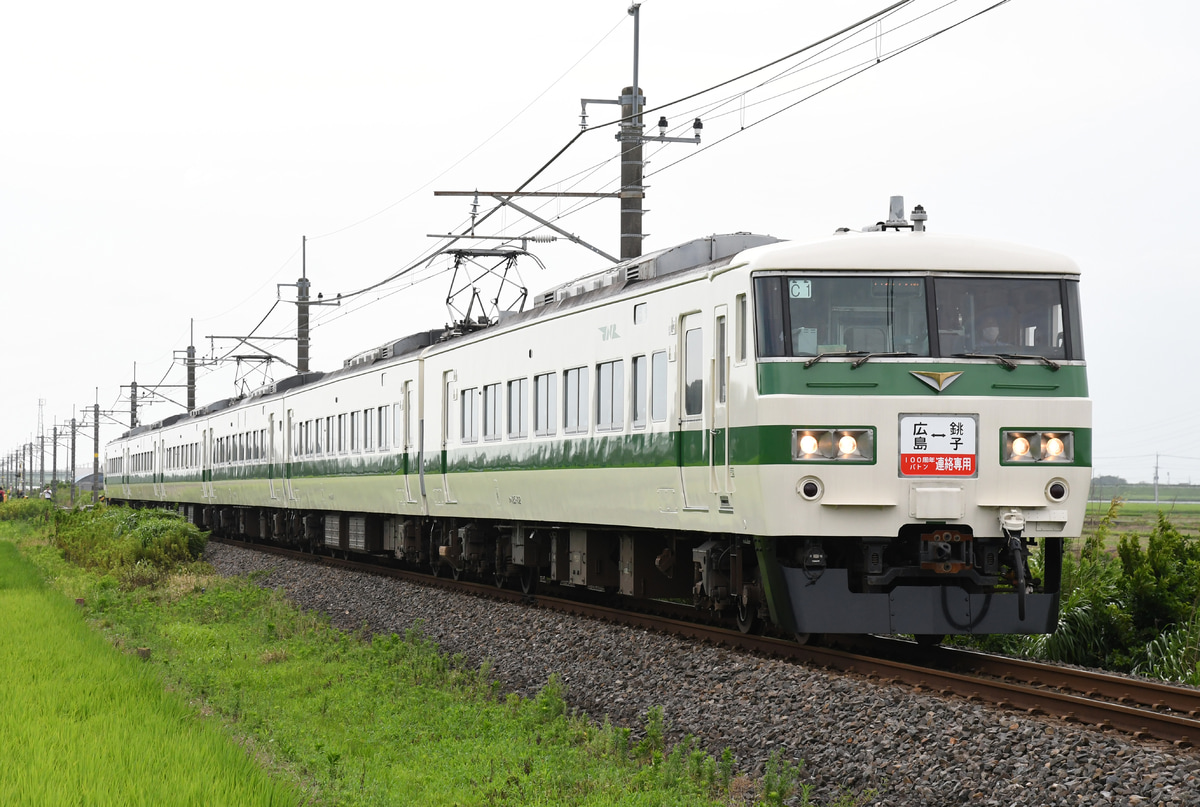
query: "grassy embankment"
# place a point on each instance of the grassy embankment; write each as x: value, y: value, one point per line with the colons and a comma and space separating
x: 355, y: 720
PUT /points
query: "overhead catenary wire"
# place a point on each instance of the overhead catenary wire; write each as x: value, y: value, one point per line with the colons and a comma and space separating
x: 487, y: 215
x: 426, y: 256
x: 848, y: 32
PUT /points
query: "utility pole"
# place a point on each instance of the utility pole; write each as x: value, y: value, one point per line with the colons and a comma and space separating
x: 191, y: 366
x: 189, y: 361
x: 133, y: 393
x: 303, y: 303
x: 54, y: 455
x: 631, y: 138
x: 72, y: 462
x: 41, y: 445
x: 632, y: 166
x: 96, y: 449
x: 302, y: 286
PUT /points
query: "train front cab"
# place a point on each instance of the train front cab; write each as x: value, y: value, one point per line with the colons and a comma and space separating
x: 925, y: 467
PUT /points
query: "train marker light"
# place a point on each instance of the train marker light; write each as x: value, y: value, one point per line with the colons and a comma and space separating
x: 1021, y: 447
x: 836, y: 445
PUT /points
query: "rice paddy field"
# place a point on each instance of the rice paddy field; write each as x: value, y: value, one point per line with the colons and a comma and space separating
x: 1140, y: 517
x: 85, y: 724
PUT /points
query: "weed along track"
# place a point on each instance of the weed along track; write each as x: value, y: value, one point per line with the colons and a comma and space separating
x: 915, y: 734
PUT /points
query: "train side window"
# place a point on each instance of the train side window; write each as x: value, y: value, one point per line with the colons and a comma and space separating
x: 610, y: 396
x: 658, y: 386
x: 545, y: 395
x: 739, y: 327
x: 409, y: 414
x: 368, y: 430
x: 470, y: 414
x: 575, y: 401
x: 382, y: 436
x: 719, y: 360
x: 639, y: 313
x: 491, y: 412
x: 518, y: 408
x: 341, y: 434
x: 638, y: 394
x: 769, y: 306
x: 354, y: 443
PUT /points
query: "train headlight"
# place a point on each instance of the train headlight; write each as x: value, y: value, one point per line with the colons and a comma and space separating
x: 1021, y: 447
x: 833, y: 445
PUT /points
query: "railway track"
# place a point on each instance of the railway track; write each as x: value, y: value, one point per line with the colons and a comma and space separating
x: 1145, y: 710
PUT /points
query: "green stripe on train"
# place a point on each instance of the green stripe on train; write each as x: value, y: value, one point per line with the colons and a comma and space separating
x: 891, y: 378
x: 748, y: 446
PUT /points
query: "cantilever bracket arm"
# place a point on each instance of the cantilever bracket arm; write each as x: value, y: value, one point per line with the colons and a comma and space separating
x: 507, y: 200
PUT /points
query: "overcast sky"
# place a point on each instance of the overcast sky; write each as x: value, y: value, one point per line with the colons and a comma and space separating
x: 160, y: 162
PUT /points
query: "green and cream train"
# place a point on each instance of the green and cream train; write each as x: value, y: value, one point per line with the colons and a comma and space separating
x: 867, y: 433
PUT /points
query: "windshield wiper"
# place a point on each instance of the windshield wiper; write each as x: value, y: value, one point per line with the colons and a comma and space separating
x: 1053, y: 365
x: 870, y: 356
x: 820, y: 356
x: 1008, y: 365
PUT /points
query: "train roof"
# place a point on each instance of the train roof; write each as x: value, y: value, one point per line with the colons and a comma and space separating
x: 907, y: 251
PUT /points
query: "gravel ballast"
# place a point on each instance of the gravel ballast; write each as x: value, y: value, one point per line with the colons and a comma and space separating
x: 852, y: 734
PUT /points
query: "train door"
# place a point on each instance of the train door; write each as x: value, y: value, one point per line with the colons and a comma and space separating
x: 205, y: 464
x: 406, y: 433
x: 272, y: 457
x: 289, y: 440
x: 125, y: 473
x: 719, y: 399
x: 695, y: 455
x: 160, y: 487
x: 449, y: 395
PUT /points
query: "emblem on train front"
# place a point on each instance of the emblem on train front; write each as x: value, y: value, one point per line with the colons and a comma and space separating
x: 939, y: 381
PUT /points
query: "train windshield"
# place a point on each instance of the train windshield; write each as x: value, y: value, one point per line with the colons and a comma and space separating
x: 920, y: 316
x: 818, y: 314
x: 1019, y: 316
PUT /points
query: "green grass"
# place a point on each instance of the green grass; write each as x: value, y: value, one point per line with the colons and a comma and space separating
x: 84, y: 724
x: 372, y: 720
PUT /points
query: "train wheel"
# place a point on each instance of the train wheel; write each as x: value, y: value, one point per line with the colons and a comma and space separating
x: 529, y: 579
x: 747, y: 617
x: 456, y: 572
x: 802, y: 638
x: 501, y: 579
x: 929, y: 639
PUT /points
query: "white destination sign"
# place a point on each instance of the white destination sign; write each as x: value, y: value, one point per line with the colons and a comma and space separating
x: 938, y: 445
